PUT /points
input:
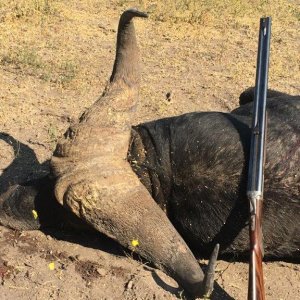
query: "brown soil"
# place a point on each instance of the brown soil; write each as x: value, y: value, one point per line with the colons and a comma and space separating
x: 55, y: 58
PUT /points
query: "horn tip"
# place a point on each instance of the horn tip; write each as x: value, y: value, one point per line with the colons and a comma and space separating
x: 208, y: 283
x: 134, y: 12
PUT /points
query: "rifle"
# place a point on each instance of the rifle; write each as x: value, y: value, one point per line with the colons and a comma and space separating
x: 256, y: 163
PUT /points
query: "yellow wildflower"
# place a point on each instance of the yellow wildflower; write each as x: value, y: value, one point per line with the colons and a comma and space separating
x: 135, y: 243
x: 51, y: 266
x: 35, y: 214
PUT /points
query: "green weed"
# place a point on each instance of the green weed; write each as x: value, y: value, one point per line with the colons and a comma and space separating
x: 23, y: 57
x: 28, y: 61
x: 67, y: 72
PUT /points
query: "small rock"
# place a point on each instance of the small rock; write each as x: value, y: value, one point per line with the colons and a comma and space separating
x: 129, y: 285
x: 101, y: 271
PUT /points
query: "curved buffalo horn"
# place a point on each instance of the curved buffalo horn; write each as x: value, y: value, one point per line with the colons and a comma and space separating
x: 96, y: 182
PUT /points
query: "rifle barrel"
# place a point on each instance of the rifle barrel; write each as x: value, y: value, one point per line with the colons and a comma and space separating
x: 256, y: 163
x: 255, y: 173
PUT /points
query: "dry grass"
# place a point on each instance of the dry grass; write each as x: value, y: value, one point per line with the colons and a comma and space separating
x: 56, y: 51
x: 49, y: 39
x: 30, y: 48
x: 220, y: 13
x: 16, y: 9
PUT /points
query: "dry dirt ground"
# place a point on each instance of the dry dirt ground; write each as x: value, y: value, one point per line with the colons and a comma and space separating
x: 55, y: 57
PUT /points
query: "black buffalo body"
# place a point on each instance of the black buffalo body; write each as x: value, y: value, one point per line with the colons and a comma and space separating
x: 195, y: 167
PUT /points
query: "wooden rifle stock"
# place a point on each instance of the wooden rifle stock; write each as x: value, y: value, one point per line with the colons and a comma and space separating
x: 256, y: 289
x: 256, y: 164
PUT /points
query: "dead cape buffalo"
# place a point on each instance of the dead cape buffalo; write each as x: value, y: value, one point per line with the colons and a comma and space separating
x: 177, y: 177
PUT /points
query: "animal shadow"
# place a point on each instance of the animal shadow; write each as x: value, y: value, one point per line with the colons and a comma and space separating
x: 217, y: 294
x: 24, y: 167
